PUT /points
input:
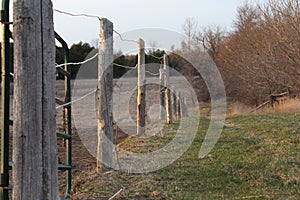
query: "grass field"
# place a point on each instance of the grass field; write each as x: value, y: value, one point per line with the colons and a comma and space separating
x: 257, y: 157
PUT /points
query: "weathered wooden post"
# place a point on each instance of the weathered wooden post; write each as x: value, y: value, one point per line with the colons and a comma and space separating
x: 174, y: 102
x: 141, y: 96
x: 35, y: 163
x: 104, y: 91
x: 167, y: 91
x: 178, y: 104
x: 162, y: 93
x: 183, y: 108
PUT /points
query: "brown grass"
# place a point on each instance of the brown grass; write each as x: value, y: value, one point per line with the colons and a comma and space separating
x: 290, y: 105
x: 238, y: 108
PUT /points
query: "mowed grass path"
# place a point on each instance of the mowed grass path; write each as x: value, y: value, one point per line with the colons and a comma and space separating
x: 257, y: 157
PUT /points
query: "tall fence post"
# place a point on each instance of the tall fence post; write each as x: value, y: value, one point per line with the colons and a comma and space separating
x: 162, y: 93
x: 167, y: 91
x: 34, y: 156
x: 141, y: 95
x: 184, y: 112
x: 104, y: 96
x: 179, y: 106
x: 174, y: 102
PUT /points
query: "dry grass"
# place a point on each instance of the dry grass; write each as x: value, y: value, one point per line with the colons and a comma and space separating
x: 238, y: 108
x: 290, y: 105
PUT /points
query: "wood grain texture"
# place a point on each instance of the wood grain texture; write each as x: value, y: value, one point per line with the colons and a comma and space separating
x: 34, y: 129
x: 105, y: 101
x: 162, y: 93
x: 141, y: 93
x: 167, y: 91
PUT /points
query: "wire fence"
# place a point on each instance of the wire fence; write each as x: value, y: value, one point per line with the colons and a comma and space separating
x: 97, y: 54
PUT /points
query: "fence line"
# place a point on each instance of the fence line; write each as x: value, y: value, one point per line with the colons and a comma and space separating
x: 105, y: 150
x: 162, y: 73
x: 141, y: 64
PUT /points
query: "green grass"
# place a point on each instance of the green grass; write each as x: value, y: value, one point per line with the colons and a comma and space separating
x: 257, y: 157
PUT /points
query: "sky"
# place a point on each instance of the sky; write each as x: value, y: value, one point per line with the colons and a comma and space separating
x: 130, y: 15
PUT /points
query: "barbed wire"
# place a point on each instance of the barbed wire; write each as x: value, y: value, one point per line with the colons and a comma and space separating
x: 93, y: 16
x: 77, y: 15
x: 79, y: 99
x: 124, y: 66
x: 153, y: 74
x: 158, y: 58
x: 78, y: 63
x: 93, y: 57
x: 125, y: 40
x: 120, y: 36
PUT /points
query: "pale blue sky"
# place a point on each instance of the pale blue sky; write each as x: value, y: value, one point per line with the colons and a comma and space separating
x: 128, y: 15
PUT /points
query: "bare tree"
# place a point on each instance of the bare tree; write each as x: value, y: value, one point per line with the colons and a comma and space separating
x: 189, y: 30
x: 261, y: 57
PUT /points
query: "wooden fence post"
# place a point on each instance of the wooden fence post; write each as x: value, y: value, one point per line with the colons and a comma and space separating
x: 167, y: 91
x: 174, y: 102
x: 179, y: 107
x: 162, y: 93
x: 104, y: 90
x: 183, y: 108
x: 141, y: 96
x: 35, y: 163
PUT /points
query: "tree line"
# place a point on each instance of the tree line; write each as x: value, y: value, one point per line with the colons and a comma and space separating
x: 260, y: 57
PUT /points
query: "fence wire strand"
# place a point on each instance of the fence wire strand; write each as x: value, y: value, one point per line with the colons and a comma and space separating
x: 124, y: 66
x: 79, y: 99
x: 93, y: 16
x: 152, y: 74
x: 77, y: 15
x: 125, y: 40
x: 156, y: 57
x: 79, y: 63
x: 96, y: 55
